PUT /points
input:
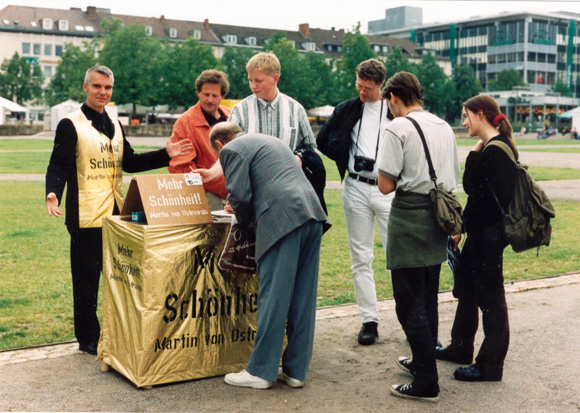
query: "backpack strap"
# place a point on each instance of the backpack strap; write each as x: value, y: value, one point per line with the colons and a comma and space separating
x: 427, y: 155
x: 506, y: 148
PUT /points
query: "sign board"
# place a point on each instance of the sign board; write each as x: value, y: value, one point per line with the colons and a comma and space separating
x: 168, y: 199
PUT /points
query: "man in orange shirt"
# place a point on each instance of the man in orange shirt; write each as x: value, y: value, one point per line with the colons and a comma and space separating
x: 194, y: 125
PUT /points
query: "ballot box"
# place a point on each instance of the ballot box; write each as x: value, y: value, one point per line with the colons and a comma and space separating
x: 169, y: 312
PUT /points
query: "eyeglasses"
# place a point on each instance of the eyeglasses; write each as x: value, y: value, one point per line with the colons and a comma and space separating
x: 364, y: 88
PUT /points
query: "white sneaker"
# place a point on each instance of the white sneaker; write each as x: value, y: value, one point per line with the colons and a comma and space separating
x: 294, y: 383
x: 245, y: 379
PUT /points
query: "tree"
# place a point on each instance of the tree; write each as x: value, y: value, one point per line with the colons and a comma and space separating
x: 70, y: 73
x: 433, y: 79
x: 180, y: 66
x: 398, y: 62
x: 234, y: 62
x: 506, y: 80
x: 463, y: 86
x: 561, y: 88
x: 356, y: 49
x: 19, y: 80
x: 322, y: 80
x: 134, y: 59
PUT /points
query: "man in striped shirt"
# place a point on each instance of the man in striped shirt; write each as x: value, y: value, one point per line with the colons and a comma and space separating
x: 270, y: 112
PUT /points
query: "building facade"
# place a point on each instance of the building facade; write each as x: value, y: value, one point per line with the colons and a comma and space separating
x: 543, y: 47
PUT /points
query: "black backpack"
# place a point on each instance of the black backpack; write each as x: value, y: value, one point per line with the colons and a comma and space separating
x: 527, y: 220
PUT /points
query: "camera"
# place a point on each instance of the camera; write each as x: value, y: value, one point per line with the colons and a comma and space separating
x: 362, y: 163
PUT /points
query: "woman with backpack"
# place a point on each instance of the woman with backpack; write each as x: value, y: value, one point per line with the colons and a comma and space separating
x: 489, y: 179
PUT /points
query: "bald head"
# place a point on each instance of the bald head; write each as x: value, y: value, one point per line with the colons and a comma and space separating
x: 222, y: 133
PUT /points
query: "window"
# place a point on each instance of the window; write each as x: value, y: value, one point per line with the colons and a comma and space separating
x: 63, y: 25
x: 230, y: 39
x: 172, y: 32
x: 148, y: 30
x: 311, y: 46
x: 58, y: 50
x: 47, y: 71
x: 377, y: 48
x: 34, y: 24
x: 385, y: 49
x: 48, y: 50
x: 25, y: 48
x: 251, y: 41
x: 47, y: 24
x: 79, y: 28
x: 197, y: 34
x: 36, y: 49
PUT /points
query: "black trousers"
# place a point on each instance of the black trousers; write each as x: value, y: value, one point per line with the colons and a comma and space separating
x: 482, y: 286
x: 86, y: 259
x: 415, y: 291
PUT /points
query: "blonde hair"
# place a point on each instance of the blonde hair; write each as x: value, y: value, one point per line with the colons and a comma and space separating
x: 264, y: 62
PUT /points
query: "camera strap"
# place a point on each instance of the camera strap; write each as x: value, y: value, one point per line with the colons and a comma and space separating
x: 378, y: 133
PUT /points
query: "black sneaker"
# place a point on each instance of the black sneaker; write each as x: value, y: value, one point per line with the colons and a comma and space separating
x: 447, y: 354
x: 406, y: 364
x: 408, y: 391
x: 368, y: 333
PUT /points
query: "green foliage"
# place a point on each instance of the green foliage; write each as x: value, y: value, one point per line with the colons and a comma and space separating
x: 233, y: 63
x: 19, y: 80
x: 463, y: 86
x: 356, y: 49
x: 506, y: 80
x: 134, y: 59
x: 398, y: 62
x: 435, y: 83
x: 561, y: 88
x: 70, y: 73
x: 181, y: 64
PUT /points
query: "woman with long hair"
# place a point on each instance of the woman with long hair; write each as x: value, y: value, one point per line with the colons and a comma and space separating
x: 489, y: 182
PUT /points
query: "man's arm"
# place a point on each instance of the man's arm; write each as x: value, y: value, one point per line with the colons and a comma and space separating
x: 386, y: 185
x: 61, y: 165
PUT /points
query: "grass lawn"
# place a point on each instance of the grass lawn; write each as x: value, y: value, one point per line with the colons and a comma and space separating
x: 35, y: 285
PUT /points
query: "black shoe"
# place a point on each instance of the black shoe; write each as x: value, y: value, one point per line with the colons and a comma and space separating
x: 446, y: 354
x: 90, y: 348
x: 473, y: 373
x: 408, y: 391
x: 406, y: 364
x: 368, y: 333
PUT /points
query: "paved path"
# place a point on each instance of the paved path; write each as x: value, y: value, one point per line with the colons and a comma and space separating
x: 541, y: 371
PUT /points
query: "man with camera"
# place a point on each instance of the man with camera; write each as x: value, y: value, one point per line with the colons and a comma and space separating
x: 351, y: 137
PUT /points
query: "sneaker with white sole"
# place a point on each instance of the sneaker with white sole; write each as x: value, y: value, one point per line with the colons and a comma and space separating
x: 406, y: 364
x: 408, y: 391
x: 294, y: 383
x: 245, y: 379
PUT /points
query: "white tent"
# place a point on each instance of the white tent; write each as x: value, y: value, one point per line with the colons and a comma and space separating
x: 9, y: 106
x: 573, y: 114
x: 61, y: 110
x: 321, y: 112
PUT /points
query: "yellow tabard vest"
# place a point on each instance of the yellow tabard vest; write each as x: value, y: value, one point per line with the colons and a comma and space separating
x: 99, y: 163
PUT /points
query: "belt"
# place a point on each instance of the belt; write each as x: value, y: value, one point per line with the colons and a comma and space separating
x: 357, y: 177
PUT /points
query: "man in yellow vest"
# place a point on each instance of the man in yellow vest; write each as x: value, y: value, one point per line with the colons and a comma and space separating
x: 90, y: 154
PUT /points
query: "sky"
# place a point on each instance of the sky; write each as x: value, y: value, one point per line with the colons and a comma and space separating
x: 288, y: 14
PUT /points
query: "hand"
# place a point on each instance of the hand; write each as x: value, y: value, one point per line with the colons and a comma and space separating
x: 299, y: 160
x: 478, y: 146
x: 52, y: 205
x: 182, y: 147
x: 456, y: 238
x: 210, y: 174
x: 228, y: 208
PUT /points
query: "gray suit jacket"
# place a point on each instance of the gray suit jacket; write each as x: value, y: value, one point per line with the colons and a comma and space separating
x: 267, y: 188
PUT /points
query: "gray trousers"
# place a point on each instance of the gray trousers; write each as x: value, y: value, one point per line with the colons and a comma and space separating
x: 288, y: 275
